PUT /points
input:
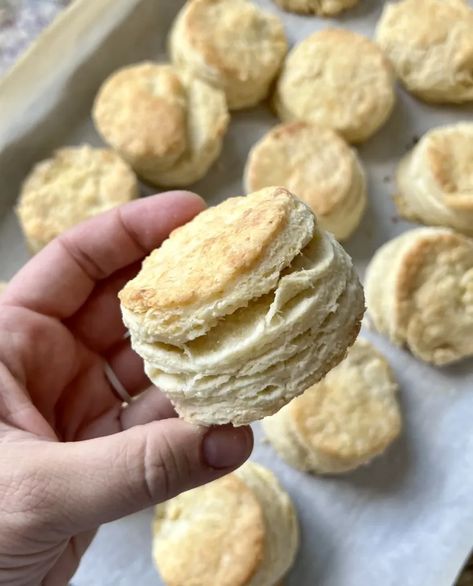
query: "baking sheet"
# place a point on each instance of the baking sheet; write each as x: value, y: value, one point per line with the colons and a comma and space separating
x: 407, y: 519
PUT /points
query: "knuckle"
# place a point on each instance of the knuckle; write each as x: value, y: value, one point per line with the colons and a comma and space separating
x: 166, y: 468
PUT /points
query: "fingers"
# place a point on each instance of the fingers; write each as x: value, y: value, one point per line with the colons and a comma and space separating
x: 152, y: 405
x: 60, y: 278
x: 98, y: 323
x: 128, y: 367
x: 97, y: 481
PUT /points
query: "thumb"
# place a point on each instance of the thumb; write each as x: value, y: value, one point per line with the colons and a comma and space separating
x: 100, y: 480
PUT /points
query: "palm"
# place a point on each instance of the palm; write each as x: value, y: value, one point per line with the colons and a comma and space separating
x: 56, y: 332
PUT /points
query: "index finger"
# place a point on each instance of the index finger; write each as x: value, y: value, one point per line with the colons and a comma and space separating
x: 60, y: 278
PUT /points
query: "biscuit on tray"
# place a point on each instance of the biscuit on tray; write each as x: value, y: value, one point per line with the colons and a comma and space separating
x: 319, y: 166
x: 231, y: 44
x: 343, y: 421
x: 337, y: 78
x: 243, y: 308
x: 75, y: 184
x: 319, y: 7
x: 168, y: 126
x: 430, y: 43
x: 240, y: 530
x: 419, y: 293
x: 435, y: 180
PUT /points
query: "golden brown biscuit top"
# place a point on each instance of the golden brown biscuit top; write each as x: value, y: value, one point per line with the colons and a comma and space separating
x: 234, y: 36
x: 200, y: 260
x: 340, y: 74
x: 73, y: 185
x: 211, y: 535
x: 142, y: 108
x: 426, y: 23
x: 309, y: 160
x: 449, y: 154
x: 434, y: 295
x: 353, y: 410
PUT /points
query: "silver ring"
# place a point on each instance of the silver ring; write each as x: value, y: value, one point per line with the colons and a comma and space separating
x: 116, y: 384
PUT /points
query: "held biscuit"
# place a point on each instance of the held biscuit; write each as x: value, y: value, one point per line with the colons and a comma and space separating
x: 231, y: 44
x: 435, y: 180
x: 319, y: 166
x: 430, y: 43
x: 167, y: 125
x: 3, y: 286
x: 419, y: 292
x: 74, y: 185
x: 319, y: 7
x: 243, y: 308
x: 339, y: 79
x: 342, y: 422
x: 240, y: 530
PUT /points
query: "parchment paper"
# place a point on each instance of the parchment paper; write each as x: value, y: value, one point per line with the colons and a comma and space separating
x: 405, y: 520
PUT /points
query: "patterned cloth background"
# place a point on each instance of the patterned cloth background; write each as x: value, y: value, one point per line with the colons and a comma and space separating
x: 20, y: 22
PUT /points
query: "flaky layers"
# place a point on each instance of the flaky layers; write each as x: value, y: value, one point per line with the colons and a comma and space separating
x: 419, y: 292
x: 430, y: 44
x: 339, y: 79
x: 319, y: 166
x: 230, y: 44
x: 320, y: 7
x: 168, y: 125
x: 435, y: 180
x: 75, y: 184
x: 343, y: 421
x: 241, y: 530
x: 243, y: 308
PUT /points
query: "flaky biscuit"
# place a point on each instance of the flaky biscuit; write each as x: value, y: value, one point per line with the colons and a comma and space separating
x: 339, y: 79
x: 320, y: 7
x: 435, y: 180
x: 419, y: 292
x: 430, y: 43
x: 76, y: 183
x: 342, y: 422
x: 168, y: 125
x: 231, y: 44
x: 243, y: 308
x: 240, y: 530
x: 319, y: 166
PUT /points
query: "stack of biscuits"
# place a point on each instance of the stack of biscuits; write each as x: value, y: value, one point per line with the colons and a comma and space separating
x: 252, y: 310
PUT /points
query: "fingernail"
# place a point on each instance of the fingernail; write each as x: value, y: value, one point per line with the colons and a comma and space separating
x: 227, y: 446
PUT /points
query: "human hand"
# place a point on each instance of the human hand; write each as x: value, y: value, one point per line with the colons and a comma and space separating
x: 71, y: 455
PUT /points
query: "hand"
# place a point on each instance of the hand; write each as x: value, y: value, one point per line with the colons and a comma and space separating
x: 71, y: 455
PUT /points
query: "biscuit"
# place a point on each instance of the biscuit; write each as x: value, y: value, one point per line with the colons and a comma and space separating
x: 430, y: 43
x: 231, y: 44
x: 167, y: 125
x: 435, y: 180
x: 319, y: 166
x: 419, y: 292
x: 339, y: 79
x: 319, y: 7
x: 3, y: 286
x: 75, y: 184
x: 243, y: 308
x: 342, y: 422
x: 240, y: 530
